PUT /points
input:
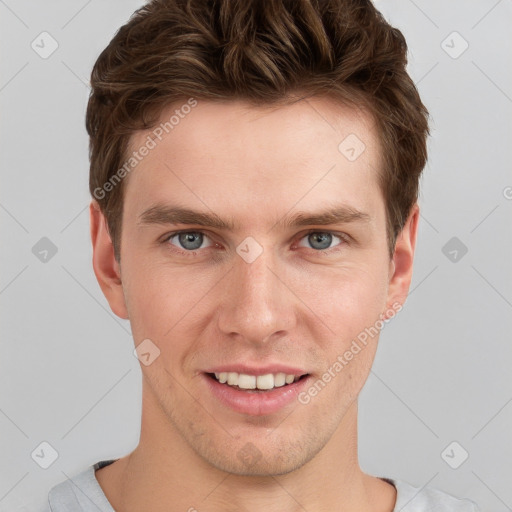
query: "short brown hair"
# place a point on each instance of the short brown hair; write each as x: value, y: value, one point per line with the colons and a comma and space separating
x: 261, y: 51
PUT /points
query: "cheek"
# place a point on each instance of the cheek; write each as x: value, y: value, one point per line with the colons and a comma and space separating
x: 149, y: 294
x: 162, y: 301
x: 347, y: 299
x: 350, y: 307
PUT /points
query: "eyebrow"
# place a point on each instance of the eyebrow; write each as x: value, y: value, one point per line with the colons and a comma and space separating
x: 163, y: 214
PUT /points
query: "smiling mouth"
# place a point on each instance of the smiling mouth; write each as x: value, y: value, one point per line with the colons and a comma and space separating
x: 256, y: 383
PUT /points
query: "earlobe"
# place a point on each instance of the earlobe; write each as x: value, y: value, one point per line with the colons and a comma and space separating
x: 106, y: 268
x: 402, y: 263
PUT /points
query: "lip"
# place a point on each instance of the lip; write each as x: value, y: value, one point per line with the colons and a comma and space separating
x: 261, y: 370
x: 256, y: 403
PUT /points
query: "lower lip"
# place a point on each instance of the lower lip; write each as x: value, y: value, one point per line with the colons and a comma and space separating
x: 256, y: 403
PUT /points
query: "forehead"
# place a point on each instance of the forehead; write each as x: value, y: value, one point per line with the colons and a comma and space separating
x: 235, y: 121
x: 230, y: 152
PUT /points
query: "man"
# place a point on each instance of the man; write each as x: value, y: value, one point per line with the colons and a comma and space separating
x: 254, y: 173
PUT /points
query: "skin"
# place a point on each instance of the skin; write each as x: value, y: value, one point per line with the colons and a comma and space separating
x: 294, y: 304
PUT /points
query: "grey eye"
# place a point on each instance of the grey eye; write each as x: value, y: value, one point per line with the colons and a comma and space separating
x: 191, y: 240
x: 320, y: 240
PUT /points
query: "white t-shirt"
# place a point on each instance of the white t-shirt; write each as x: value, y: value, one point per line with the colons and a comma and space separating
x: 84, y: 494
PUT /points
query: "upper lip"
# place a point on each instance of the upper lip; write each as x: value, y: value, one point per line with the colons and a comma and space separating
x: 257, y: 370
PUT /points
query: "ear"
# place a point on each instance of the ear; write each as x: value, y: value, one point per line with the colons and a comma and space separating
x: 106, y: 268
x: 401, y: 265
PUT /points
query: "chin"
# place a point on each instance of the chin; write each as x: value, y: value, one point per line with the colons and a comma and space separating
x: 263, y: 467
x: 261, y: 458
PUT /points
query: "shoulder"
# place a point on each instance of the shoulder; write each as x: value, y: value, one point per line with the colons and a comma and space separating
x: 416, y: 499
x: 79, y: 493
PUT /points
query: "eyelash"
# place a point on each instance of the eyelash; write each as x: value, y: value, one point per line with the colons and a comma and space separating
x: 342, y: 236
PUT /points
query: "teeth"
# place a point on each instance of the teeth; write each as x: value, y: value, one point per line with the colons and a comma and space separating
x: 289, y: 379
x: 245, y: 381
x: 265, y: 381
x: 279, y: 380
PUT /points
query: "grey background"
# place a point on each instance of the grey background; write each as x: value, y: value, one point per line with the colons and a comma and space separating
x: 442, y: 372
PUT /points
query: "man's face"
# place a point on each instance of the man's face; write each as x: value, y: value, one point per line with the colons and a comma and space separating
x: 265, y: 295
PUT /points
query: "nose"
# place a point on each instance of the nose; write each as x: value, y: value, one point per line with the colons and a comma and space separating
x: 256, y: 305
